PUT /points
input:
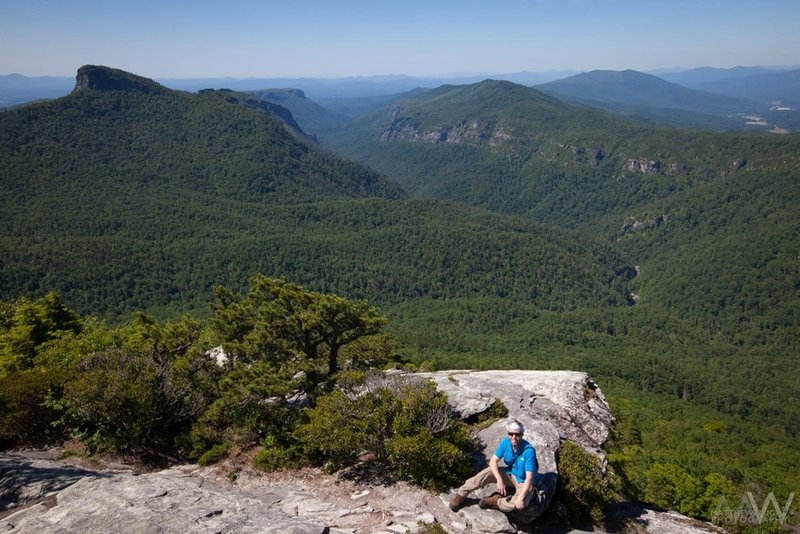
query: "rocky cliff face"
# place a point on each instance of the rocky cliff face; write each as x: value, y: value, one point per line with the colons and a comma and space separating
x: 45, y: 495
x: 472, y: 131
x: 107, y: 79
x: 649, y: 166
x: 552, y: 405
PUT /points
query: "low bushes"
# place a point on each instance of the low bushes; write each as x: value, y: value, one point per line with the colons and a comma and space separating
x: 400, y: 421
x: 292, y: 384
x: 583, y: 487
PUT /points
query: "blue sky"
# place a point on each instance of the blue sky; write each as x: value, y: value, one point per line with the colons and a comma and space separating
x: 335, y: 38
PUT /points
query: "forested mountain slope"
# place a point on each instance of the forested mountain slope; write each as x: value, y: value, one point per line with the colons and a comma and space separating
x: 708, y: 219
x: 655, y: 193
x: 144, y: 138
x: 134, y: 196
x: 514, y: 149
x: 310, y: 115
x: 471, y: 143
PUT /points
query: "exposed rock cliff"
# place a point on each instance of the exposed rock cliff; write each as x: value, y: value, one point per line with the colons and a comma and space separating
x: 472, y: 131
x: 646, y: 223
x: 107, y: 79
x: 552, y: 404
x: 649, y: 166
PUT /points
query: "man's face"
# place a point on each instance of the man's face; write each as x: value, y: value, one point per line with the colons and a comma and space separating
x: 514, y: 437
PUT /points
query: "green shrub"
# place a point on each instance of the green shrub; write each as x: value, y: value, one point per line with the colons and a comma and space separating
x: 672, y: 487
x: 28, y: 324
x: 430, y: 528
x: 26, y: 418
x: 141, y: 395
x: 495, y: 412
x: 426, y: 366
x: 583, y: 486
x: 428, y: 461
x: 110, y: 405
x: 277, y: 454
x: 74, y: 449
x: 214, y: 454
x: 402, y: 422
x: 254, y: 401
x: 341, y: 427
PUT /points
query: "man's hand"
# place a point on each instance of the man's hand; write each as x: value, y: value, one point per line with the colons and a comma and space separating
x: 501, y: 487
x: 519, y: 504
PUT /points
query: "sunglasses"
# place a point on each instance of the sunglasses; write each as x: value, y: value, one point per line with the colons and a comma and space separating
x: 513, y: 434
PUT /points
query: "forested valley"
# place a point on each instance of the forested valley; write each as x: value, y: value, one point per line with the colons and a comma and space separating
x: 501, y: 228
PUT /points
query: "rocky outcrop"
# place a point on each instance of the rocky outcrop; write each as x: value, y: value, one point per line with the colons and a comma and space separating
x: 472, y: 131
x: 49, y: 496
x: 167, y: 501
x: 646, y: 223
x: 651, y: 166
x: 553, y: 406
x: 675, y: 168
x: 642, y: 165
x: 107, y: 79
x: 585, y: 155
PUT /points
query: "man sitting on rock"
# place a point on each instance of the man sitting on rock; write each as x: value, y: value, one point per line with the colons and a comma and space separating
x: 514, y: 480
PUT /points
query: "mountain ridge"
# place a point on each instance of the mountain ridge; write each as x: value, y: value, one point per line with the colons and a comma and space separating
x: 636, y: 94
x: 209, y: 164
x: 102, y: 78
x: 182, y: 122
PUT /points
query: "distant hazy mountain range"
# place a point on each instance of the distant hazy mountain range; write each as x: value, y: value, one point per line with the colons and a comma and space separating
x: 753, y: 83
x: 749, y: 98
x: 720, y: 103
x: 16, y: 89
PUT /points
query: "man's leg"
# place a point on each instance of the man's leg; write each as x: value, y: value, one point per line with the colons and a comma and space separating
x: 483, y: 478
x: 506, y: 504
x: 492, y: 501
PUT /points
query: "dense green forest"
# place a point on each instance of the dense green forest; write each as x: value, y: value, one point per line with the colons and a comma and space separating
x: 709, y: 220
x: 539, y: 235
x: 386, y: 251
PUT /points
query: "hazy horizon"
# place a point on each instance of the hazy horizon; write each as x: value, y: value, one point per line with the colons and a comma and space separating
x: 445, y: 76
x: 318, y: 39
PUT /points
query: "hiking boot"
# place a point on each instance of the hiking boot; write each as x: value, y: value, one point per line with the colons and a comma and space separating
x: 456, y: 502
x: 490, y: 502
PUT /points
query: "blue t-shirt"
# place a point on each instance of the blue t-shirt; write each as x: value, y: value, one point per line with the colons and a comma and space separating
x: 521, y: 461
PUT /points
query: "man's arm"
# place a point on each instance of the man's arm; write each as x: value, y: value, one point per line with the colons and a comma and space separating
x: 501, y: 486
x: 519, y: 504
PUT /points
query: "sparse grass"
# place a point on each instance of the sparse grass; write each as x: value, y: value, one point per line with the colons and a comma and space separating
x: 495, y: 412
x: 430, y: 528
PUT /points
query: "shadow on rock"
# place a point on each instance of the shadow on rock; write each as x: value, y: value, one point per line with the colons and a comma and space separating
x: 369, y: 472
x: 546, y: 485
x: 25, y: 481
